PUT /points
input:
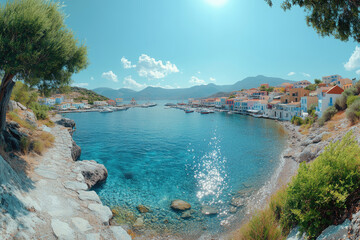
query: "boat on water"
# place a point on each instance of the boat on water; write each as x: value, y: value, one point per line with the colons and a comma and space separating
x: 147, y: 105
x: 205, y: 111
x: 106, y: 110
x: 189, y: 111
x: 170, y: 104
x: 230, y: 112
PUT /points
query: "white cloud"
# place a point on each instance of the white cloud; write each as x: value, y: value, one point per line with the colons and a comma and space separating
x: 358, y: 72
x: 126, y: 63
x: 291, y: 73
x: 354, y: 60
x: 212, y: 79
x: 306, y: 75
x: 110, y: 76
x: 92, y: 78
x: 129, y: 82
x: 196, y: 81
x: 150, y: 68
x: 80, y: 84
x: 199, y: 72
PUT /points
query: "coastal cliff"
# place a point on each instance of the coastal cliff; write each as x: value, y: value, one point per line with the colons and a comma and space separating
x: 51, y: 200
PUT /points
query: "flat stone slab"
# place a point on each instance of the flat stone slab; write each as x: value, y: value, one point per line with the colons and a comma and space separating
x: 93, y: 236
x: 89, y: 195
x: 81, y: 224
x: 102, y: 211
x: 46, y: 173
x: 120, y: 233
x: 75, y: 185
x: 62, y: 230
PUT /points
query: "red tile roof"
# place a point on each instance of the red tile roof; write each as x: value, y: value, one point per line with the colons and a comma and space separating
x: 335, y: 90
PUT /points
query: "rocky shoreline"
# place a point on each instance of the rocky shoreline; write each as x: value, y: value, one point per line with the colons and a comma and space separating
x: 54, y: 200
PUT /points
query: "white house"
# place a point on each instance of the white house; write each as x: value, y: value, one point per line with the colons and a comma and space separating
x: 327, y: 98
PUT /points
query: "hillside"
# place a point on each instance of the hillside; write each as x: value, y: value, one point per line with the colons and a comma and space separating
x: 79, y: 94
x: 157, y: 93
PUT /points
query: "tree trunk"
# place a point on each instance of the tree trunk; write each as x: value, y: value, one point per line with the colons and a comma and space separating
x: 6, y: 87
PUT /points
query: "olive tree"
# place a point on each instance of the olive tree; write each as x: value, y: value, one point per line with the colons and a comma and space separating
x: 36, y: 47
x: 338, y: 18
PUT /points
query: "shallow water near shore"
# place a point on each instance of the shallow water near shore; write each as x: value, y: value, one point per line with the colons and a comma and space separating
x: 156, y: 155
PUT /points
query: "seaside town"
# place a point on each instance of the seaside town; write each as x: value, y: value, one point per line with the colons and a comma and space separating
x: 281, y: 102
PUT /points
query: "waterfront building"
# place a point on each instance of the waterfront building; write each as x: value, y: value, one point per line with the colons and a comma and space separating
x: 294, y: 95
x: 133, y: 102
x: 307, y: 102
x: 327, y: 97
x: 78, y: 105
x: 302, y: 84
x: 111, y: 102
x: 229, y: 105
x: 347, y: 86
x: 100, y: 103
x: 64, y: 106
x: 331, y: 78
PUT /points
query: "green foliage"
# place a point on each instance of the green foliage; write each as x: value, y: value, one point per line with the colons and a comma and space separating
x: 353, y: 112
x: 327, y: 115
x: 312, y: 109
x: 311, y: 87
x: 270, y: 89
x: 40, y: 111
x: 262, y: 88
x: 297, y: 120
x: 317, y: 81
x: 341, y: 103
x: 37, y: 46
x: 232, y: 96
x: 337, y: 18
x: 351, y: 99
x: 319, y: 191
x: 89, y: 95
x: 23, y: 94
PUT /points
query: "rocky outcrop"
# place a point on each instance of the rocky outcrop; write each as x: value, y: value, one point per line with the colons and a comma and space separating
x: 209, y: 210
x: 142, y: 209
x: 93, y: 172
x: 180, y: 205
x: 67, y: 122
x: 75, y: 151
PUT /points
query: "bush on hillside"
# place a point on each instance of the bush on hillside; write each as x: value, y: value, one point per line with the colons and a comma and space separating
x: 40, y: 111
x: 350, y: 100
x: 327, y: 115
x: 298, y: 121
x: 353, y: 112
x: 23, y: 94
x: 340, y: 103
x: 318, y: 194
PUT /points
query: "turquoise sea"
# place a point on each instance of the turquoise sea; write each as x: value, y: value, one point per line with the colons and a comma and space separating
x: 156, y: 155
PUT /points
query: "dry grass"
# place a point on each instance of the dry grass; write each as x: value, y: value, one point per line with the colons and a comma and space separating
x: 305, y: 129
x: 262, y: 226
x: 326, y: 136
x: 13, y: 116
x: 46, y: 122
x: 338, y: 116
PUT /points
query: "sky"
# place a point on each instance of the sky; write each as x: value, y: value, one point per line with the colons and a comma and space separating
x: 182, y: 43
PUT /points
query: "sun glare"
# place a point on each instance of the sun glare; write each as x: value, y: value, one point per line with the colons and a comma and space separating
x: 216, y: 3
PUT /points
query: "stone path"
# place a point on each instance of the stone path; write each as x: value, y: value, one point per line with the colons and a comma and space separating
x: 58, y: 205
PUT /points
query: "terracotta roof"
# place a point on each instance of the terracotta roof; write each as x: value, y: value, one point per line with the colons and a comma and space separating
x: 294, y: 103
x: 335, y: 90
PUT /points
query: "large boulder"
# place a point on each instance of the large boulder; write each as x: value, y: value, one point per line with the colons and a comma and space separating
x: 67, y: 122
x: 180, y: 205
x: 12, y: 144
x: 30, y: 117
x: 12, y: 106
x: 75, y: 151
x: 93, y: 172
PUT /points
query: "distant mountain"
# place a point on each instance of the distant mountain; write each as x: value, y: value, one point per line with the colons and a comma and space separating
x: 157, y: 93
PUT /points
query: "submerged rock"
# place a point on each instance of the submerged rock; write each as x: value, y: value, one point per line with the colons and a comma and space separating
x: 209, y: 210
x: 139, y: 223
x: 233, y: 209
x: 142, y: 209
x: 93, y: 172
x: 180, y: 205
x: 237, y: 202
x: 186, y: 214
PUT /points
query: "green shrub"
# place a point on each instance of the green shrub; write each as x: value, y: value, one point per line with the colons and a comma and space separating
x: 38, y: 147
x: 319, y: 191
x: 350, y: 100
x: 40, y: 111
x: 340, y: 103
x: 353, y: 112
x: 327, y: 115
x: 297, y: 120
x: 25, y: 145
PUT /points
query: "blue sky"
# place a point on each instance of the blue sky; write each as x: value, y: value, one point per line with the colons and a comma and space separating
x: 199, y: 42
